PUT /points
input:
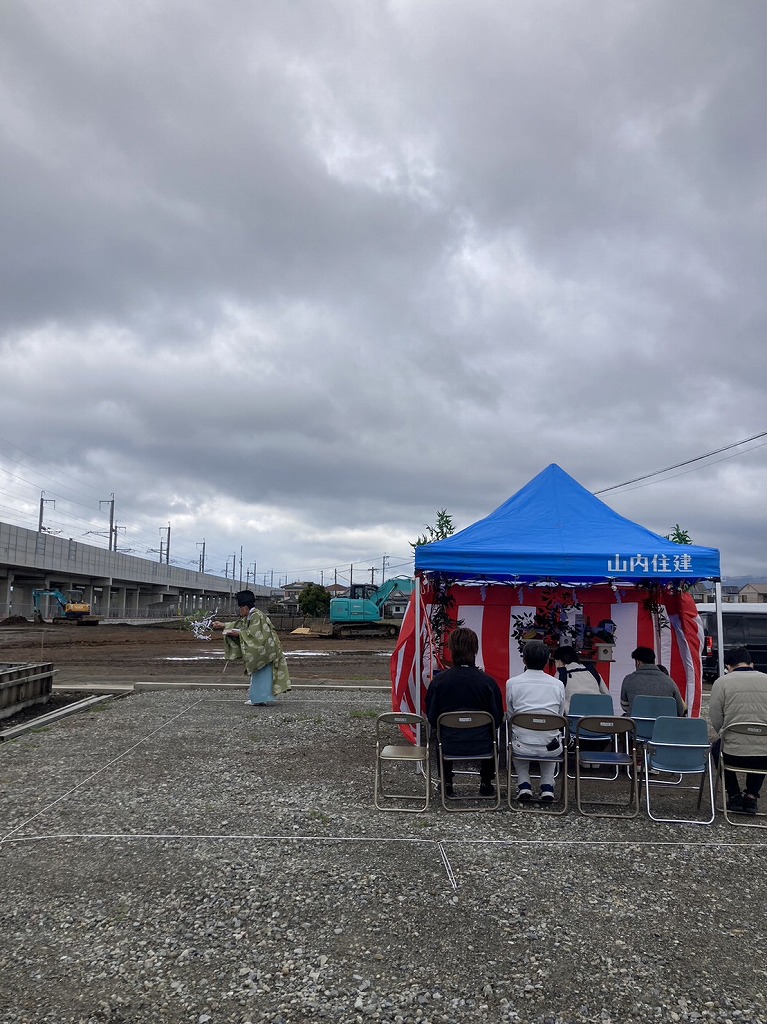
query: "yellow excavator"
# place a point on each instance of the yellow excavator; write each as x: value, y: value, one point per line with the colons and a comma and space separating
x: 73, y: 608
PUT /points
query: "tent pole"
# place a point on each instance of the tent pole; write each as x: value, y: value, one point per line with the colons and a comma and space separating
x: 719, y: 624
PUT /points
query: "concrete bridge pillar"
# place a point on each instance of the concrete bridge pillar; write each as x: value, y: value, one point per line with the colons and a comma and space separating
x: 6, y: 583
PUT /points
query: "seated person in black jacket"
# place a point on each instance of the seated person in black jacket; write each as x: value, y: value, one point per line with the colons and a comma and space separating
x: 464, y: 687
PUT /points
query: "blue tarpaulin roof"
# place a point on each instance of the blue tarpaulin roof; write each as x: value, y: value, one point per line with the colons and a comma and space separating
x: 554, y: 529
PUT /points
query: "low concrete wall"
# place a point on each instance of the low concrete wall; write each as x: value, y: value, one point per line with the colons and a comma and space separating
x: 24, y: 684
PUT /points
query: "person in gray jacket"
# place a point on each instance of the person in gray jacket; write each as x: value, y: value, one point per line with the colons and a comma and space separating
x: 649, y: 679
x: 740, y: 695
x: 534, y: 691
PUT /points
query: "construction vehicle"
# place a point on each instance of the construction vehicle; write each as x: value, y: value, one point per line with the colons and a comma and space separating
x: 71, y: 604
x: 363, y: 611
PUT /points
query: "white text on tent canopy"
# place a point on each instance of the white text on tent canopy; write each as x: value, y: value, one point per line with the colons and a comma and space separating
x: 652, y: 564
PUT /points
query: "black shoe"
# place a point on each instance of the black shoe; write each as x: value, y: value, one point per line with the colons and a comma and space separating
x: 487, y: 789
x: 448, y: 789
x: 735, y: 804
x: 750, y: 803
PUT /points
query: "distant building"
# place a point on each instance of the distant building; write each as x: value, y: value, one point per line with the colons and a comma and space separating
x: 290, y: 594
x: 751, y: 592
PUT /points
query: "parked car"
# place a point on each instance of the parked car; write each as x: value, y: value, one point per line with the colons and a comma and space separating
x: 743, y: 624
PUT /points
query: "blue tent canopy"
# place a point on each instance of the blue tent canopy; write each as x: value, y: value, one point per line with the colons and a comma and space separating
x: 554, y: 529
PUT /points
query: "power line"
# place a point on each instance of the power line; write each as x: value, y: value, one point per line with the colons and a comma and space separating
x: 42, y: 475
x: 679, y: 465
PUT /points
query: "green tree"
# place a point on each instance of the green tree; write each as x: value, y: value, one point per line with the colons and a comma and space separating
x: 442, y: 622
x: 678, y: 535
x: 443, y: 528
x: 314, y: 600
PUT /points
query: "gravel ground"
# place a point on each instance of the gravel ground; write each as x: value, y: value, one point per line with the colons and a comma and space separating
x: 179, y: 857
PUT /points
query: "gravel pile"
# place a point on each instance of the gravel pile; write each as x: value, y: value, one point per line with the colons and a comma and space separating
x: 177, y: 858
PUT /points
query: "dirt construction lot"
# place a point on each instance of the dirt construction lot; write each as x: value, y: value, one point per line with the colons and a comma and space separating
x: 127, y: 654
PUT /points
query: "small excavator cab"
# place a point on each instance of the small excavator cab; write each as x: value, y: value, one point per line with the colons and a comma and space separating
x: 71, y: 605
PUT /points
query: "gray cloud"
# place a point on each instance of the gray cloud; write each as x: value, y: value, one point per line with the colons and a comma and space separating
x: 296, y: 277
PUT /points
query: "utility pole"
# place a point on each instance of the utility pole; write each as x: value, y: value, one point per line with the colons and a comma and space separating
x: 271, y: 579
x: 240, y: 564
x: 115, y: 528
x: 322, y: 578
x: 166, y: 531
x: 201, y: 545
x: 372, y: 575
x: 384, y: 560
x: 351, y: 572
x: 43, y: 502
x: 112, y: 532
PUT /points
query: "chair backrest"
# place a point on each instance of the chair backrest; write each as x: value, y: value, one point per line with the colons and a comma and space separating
x: 400, y: 718
x: 646, y: 708
x: 465, y: 720
x: 754, y: 730
x: 481, y: 722
x: 590, y: 704
x: 748, y: 728
x: 605, y: 725
x: 539, y: 721
x: 387, y: 719
x: 679, y: 744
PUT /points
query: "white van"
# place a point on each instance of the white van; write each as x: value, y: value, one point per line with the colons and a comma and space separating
x: 744, y: 625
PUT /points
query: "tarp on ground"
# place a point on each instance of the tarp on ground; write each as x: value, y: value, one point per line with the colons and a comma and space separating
x: 554, y: 529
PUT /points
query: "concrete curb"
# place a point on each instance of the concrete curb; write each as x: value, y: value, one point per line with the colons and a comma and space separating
x: 139, y: 686
x: 54, y: 716
x: 122, y: 689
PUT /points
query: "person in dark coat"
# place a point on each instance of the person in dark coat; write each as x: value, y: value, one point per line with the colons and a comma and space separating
x: 464, y: 687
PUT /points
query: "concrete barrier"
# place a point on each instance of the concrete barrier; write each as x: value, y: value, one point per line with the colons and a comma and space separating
x: 24, y: 684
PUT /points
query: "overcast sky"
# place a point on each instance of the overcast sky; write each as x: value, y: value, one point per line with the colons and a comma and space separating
x: 292, y: 276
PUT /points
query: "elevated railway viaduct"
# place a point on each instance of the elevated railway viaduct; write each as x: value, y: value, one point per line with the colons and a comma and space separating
x: 117, y: 586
